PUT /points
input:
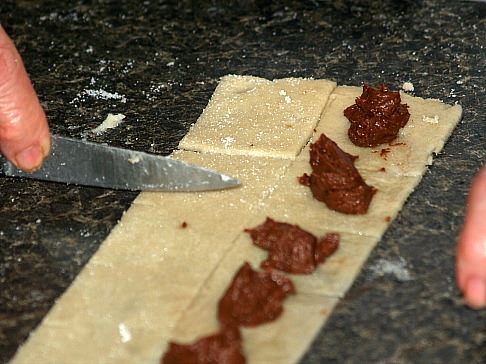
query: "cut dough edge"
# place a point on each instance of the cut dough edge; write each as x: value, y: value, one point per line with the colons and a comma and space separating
x: 148, y: 336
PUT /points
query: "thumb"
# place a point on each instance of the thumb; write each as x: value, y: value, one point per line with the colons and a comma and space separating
x: 24, y: 133
x: 471, y: 251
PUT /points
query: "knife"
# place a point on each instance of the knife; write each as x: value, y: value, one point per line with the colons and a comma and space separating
x: 79, y: 162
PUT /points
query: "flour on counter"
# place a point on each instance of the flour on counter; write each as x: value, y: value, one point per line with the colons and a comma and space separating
x: 99, y: 94
x: 397, y: 268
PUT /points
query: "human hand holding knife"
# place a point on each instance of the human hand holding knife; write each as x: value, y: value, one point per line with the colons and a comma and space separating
x: 25, y: 143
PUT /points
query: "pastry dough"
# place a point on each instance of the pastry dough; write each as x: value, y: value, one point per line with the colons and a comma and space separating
x: 159, y: 274
x: 254, y: 116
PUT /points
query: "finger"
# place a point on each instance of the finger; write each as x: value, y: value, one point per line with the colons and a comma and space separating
x: 471, y: 252
x: 24, y: 133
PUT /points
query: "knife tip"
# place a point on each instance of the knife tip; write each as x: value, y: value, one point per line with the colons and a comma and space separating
x: 230, y: 182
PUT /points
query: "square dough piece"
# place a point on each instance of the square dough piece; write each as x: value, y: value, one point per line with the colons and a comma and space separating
x: 127, y: 299
x: 294, y: 203
x: 258, y: 177
x: 430, y: 125
x: 253, y: 116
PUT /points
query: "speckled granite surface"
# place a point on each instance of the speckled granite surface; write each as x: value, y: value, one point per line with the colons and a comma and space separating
x: 158, y: 62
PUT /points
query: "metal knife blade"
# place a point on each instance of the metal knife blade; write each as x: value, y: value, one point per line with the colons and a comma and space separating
x: 80, y: 162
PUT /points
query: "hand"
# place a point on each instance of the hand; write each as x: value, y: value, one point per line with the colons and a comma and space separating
x: 24, y: 133
x: 471, y: 251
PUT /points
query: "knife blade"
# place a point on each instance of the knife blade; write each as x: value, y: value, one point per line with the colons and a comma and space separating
x: 80, y: 162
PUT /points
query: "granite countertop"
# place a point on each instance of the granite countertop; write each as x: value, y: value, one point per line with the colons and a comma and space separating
x: 158, y: 63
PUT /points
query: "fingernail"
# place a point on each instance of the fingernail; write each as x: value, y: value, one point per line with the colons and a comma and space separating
x: 475, y: 292
x: 30, y: 158
x: 46, y: 146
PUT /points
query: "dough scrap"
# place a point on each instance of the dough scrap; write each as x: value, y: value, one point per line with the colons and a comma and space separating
x: 127, y: 302
x: 254, y: 116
